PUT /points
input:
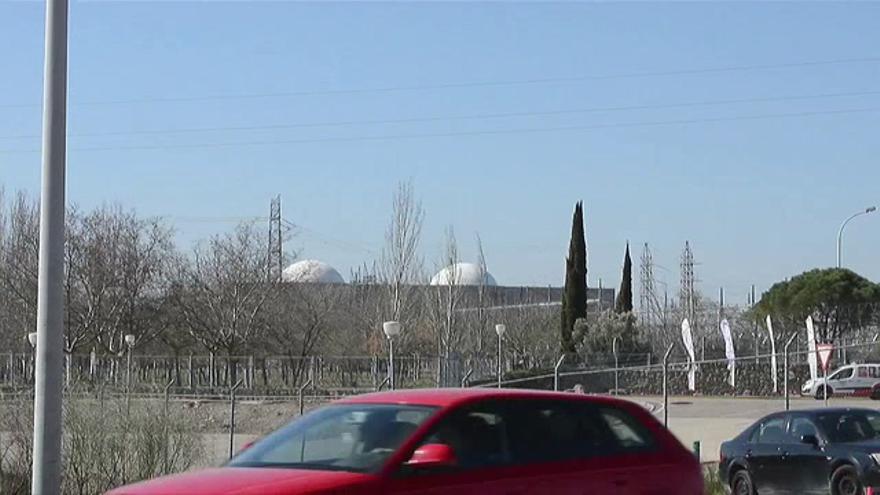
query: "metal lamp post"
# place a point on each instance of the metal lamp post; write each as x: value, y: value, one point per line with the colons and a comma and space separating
x: 129, y: 343
x: 616, y: 364
x: 392, y: 330
x: 870, y: 209
x: 32, y: 340
x: 500, y: 329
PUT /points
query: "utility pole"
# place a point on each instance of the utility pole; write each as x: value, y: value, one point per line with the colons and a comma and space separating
x: 50, y: 294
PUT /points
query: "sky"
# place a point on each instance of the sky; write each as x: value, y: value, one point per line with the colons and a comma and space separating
x: 747, y: 129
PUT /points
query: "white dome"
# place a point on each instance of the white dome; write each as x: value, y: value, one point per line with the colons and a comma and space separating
x: 312, y: 272
x: 463, y: 274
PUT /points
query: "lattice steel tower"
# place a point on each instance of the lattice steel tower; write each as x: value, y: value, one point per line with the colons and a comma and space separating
x: 647, y: 296
x: 276, y: 242
x: 688, y: 294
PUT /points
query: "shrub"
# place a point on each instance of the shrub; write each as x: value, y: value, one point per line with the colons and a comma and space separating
x: 104, y: 445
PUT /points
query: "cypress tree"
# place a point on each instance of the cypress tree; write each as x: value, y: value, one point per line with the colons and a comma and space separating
x: 574, y: 297
x: 625, y: 296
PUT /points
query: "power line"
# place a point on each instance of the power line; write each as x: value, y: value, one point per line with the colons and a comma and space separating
x: 484, y: 116
x: 489, y: 132
x: 471, y: 84
x: 318, y: 236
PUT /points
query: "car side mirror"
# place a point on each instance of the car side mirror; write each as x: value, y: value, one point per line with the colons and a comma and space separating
x: 810, y: 440
x: 432, y: 455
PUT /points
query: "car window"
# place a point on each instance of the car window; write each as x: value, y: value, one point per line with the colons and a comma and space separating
x: 842, y: 374
x: 630, y: 434
x: 772, y: 431
x: 356, y: 437
x: 566, y: 430
x: 849, y: 426
x: 477, y: 436
x: 863, y: 372
x: 799, y: 427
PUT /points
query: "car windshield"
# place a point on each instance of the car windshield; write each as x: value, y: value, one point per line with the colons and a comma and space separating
x: 849, y: 426
x: 352, y: 437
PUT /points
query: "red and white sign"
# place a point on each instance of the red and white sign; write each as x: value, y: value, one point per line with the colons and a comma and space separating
x: 824, y: 351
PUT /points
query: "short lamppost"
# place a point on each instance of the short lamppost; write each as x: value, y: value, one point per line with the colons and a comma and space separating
x: 129, y: 343
x: 392, y: 330
x: 500, y: 329
x: 32, y: 340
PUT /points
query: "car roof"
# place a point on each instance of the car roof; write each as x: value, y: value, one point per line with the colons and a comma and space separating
x: 833, y: 410
x: 448, y: 397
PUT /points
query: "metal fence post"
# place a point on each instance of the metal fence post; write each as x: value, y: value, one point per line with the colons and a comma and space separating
x: 556, y: 372
x: 232, y: 416
x: 467, y: 376
x: 211, y: 377
x: 165, y: 429
x: 785, y: 370
x: 666, y: 385
x: 302, y: 392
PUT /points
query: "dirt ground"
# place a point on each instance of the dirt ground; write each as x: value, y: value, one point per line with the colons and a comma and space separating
x: 251, y: 417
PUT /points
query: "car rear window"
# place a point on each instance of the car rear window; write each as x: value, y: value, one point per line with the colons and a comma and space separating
x: 557, y: 431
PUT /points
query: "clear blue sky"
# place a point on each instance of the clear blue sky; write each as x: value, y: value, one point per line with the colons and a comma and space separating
x: 759, y: 199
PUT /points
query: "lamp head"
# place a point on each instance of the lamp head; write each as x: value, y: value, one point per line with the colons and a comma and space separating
x: 32, y: 339
x: 500, y: 329
x: 391, y: 329
x: 129, y: 340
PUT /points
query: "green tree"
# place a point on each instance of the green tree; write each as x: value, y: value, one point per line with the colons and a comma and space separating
x: 574, y: 297
x: 607, y: 327
x: 625, y: 296
x: 839, y: 301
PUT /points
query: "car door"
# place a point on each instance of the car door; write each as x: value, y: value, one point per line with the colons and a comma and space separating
x: 478, y: 436
x: 842, y: 382
x: 765, y: 455
x: 566, y: 448
x: 804, y: 468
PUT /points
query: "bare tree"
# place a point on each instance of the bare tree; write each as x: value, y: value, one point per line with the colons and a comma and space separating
x: 299, y: 319
x: 482, y: 297
x: 531, y: 334
x: 400, y: 267
x: 221, y: 293
x: 19, y: 263
x: 444, y: 308
x: 116, y: 278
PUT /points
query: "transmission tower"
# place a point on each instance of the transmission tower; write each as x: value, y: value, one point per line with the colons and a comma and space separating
x: 646, y: 287
x: 688, y: 295
x: 276, y: 244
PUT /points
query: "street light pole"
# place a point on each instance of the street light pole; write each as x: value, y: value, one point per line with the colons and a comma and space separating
x: 392, y: 330
x: 870, y: 209
x: 48, y: 373
x: 129, y: 343
x: 500, y: 329
x: 616, y: 365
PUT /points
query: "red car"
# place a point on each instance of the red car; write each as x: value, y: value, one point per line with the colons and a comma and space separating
x: 459, y: 442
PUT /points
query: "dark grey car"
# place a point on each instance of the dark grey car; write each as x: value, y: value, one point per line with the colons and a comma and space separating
x: 819, y: 451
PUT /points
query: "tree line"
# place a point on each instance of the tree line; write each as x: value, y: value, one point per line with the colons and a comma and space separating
x: 126, y: 275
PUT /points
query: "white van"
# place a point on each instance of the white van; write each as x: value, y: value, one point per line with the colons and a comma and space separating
x: 853, y: 380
